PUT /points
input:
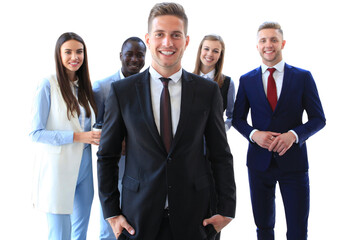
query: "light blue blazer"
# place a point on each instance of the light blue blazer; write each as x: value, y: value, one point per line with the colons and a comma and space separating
x: 101, y: 89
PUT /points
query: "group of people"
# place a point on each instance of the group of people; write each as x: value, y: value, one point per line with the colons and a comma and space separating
x: 164, y: 168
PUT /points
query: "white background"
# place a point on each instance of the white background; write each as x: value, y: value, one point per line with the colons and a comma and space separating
x: 29, y: 30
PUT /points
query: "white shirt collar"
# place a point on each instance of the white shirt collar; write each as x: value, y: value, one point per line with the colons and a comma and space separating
x: 209, y: 74
x: 279, y: 66
x: 156, y: 76
x: 76, y: 82
x: 121, y: 74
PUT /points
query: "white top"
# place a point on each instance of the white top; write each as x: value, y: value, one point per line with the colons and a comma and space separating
x: 209, y: 75
x: 278, y: 76
x: 174, y: 88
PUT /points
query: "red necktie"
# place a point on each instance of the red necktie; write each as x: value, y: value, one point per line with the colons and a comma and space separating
x: 271, y: 89
x: 165, y: 115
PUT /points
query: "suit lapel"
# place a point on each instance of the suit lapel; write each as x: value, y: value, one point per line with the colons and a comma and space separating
x: 285, y: 86
x: 260, y: 89
x: 144, y: 96
x: 187, y: 94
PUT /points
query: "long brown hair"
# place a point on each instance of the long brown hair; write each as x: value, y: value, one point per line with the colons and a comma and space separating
x: 218, y: 77
x: 85, y: 92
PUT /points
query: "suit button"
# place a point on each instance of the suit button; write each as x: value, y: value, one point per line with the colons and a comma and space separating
x: 169, y: 187
x: 169, y: 160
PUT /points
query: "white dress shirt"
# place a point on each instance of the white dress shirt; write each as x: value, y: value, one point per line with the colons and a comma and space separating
x: 209, y: 75
x: 278, y: 77
x: 174, y: 87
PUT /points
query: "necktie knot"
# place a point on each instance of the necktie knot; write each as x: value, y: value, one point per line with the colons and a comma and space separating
x: 271, y: 70
x: 165, y: 81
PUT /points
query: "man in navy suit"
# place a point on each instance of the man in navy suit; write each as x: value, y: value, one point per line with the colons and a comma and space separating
x: 277, y: 95
x: 166, y: 185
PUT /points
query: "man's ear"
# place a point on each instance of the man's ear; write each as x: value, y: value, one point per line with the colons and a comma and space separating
x: 147, y: 40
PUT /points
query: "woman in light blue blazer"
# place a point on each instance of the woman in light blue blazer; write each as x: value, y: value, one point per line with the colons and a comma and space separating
x: 63, y: 112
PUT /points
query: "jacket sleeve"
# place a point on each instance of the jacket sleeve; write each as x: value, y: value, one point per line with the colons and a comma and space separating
x: 313, y: 107
x: 240, y: 112
x: 220, y: 157
x: 109, y: 154
x: 40, y: 115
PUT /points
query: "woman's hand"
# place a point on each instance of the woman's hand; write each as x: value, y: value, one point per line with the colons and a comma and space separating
x: 91, y: 137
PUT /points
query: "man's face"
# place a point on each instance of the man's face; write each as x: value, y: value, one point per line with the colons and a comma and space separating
x: 167, y: 42
x: 132, y: 58
x: 270, y: 44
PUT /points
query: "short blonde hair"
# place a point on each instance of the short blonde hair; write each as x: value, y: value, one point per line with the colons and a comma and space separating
x: 270, y: 25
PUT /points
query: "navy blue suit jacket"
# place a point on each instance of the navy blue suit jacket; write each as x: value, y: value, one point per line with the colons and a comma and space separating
x: 152, y: 174
x: 299, y: 93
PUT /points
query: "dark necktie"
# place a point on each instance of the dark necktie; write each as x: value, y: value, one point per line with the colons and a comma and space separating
x: 165, y: 115
x: 271, y: 89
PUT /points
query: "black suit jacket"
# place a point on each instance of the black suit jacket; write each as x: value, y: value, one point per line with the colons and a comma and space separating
x: 152, y: 174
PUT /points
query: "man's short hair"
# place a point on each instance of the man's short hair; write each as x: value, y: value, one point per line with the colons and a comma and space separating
x: 270, y: 25
x: 133, y: 39
x: 168, y: 8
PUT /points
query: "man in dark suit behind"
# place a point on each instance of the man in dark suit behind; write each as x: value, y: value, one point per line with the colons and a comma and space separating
x: 277, y: 95
x: 166, y: 185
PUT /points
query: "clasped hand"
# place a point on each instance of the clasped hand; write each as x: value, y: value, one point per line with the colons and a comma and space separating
x: 273, y: 141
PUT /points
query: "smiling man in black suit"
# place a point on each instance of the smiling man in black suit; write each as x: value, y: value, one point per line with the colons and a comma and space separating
x: 167, y: 180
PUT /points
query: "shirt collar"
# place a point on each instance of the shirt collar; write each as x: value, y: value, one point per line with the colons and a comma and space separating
x: 121, y: 74
x: 209, y: 74
x: 156, y: 76
x: 76, y: 82
x: 279, y: 66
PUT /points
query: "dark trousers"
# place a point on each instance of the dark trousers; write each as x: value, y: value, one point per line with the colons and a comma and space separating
x: 294, y: 188
x: 165, y: 232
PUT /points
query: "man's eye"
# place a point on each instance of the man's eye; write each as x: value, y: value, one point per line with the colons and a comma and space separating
x: 177, y: 35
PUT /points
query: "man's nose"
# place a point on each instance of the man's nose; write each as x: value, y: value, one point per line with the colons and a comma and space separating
x: 167, y: 41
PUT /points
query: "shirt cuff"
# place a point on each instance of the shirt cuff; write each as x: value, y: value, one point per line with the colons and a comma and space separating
x: 296, y: 135
x: 224, y: 216
x: 111, y: 217
x: 250, y: 135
